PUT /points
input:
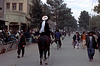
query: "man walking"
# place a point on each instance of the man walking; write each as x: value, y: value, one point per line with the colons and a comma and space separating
x: 21, y: 45
x: 57, y: 37
x: 83, y: 39
x: 91, y: 45
x: 76, y: 39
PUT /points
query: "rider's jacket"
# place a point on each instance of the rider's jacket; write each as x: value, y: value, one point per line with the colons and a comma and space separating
x: 46, y: 29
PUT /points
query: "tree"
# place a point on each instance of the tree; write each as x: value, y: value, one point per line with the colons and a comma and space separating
x: 64, y: 14
x: 46, y: 10
x: 61, y: 14
x: 97, y: 8
x: 73, y: 23
x: 55, y: 7
x: 95, y: 22
x: 35, y: 13
x: 84, y: 20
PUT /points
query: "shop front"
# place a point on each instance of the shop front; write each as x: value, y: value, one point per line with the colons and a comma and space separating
x: 16, y: 21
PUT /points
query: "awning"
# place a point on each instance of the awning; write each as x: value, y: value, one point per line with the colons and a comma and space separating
x: 13, y: 23
x: 2, y: 20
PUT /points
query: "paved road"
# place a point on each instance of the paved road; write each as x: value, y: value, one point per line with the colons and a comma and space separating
x: 66, y: 56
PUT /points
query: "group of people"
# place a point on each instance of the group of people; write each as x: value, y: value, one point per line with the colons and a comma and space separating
x: 91, y: 40
x: 44, y: 30
x: 6, y: 36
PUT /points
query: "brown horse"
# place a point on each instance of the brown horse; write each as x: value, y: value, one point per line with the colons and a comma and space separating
x: 44, y: 47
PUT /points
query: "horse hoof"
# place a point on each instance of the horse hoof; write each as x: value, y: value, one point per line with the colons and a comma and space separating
x: 40, y: 63
x: 44, y: 59
x: 18, y: 56
x: 46, y: 63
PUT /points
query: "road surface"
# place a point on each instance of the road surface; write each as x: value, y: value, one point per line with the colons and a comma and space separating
x: 66, y: 56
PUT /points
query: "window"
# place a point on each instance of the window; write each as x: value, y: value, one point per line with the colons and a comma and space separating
x: 8, y: 6
x: 14, y: 5
x: 20, y: 6
x: 1, y: 8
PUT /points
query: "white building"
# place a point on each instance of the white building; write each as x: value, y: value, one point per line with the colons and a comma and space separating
x: 16, y: 13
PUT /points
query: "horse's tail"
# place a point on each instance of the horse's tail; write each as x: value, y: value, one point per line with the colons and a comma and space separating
x: 44, y: 41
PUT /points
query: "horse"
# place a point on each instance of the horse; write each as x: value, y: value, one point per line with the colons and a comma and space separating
x: 44, y: 47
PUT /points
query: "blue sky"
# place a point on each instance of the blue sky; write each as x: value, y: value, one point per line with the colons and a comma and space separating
x: 79, y: 5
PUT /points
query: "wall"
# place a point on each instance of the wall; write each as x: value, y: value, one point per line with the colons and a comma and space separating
x: 2, y: 10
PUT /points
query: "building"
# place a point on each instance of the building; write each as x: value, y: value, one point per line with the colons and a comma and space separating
x: 16, y: 13
x: 2, y: 14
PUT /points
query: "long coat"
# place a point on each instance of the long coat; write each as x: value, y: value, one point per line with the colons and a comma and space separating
x: 94, y: 44
x: 22, y: 41
x: 46, y: 29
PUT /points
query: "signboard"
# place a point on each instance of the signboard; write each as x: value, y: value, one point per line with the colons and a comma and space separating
x: 1, y: 8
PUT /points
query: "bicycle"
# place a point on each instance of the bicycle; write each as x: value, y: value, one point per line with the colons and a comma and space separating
x: 12, y: 44
x: 8, y: 46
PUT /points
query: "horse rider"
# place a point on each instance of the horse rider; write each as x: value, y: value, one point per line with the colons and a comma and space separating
x: 44, y: 35
x: 44, y: 27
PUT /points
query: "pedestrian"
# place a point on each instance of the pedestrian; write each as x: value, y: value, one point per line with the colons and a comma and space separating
x: 6, y: 35
x: 91, y: 45
x: 30, y: 37
x: 63, y: 35
x: 57, y: 38
x: 17, y: 35
x: 83, y: 39
x: 98, y: 42
x: 21, y: 45
x: 76, y: 40
x: 96, y: 37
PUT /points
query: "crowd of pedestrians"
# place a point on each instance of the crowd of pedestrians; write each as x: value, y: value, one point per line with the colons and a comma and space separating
x: 7, y: 36
x: 91, y: 40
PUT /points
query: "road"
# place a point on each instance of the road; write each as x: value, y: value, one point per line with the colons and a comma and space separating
x: 66, y: 56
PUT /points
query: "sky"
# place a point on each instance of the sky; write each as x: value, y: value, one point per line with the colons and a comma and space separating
x: 80, y: 5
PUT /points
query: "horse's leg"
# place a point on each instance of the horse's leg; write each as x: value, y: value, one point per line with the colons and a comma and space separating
x: 41, y: 56
x: 48, y: 51
x: 45, y: 58
x: 45, y: 52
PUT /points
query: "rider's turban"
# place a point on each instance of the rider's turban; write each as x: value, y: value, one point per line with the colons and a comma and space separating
x: 44, y: 18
